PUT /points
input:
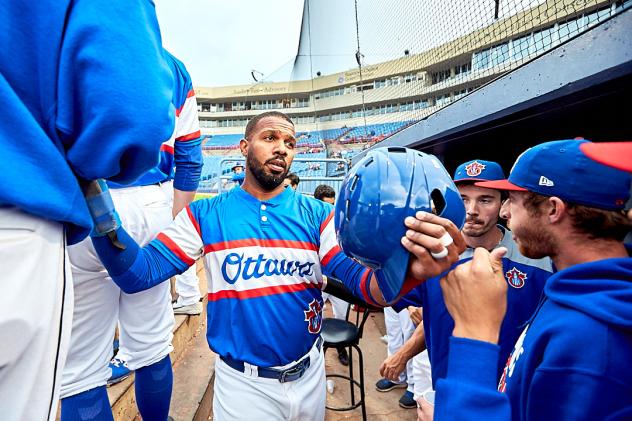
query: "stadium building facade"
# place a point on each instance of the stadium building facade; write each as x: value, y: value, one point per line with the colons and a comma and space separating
x: 338, y: 115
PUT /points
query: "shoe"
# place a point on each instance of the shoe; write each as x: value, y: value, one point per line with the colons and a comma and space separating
x: 191, y: 310
x: 343, y: 357
x: 407, y: 400
x: 384, y: 339
x: 384, y: 385
x: 120, y: 371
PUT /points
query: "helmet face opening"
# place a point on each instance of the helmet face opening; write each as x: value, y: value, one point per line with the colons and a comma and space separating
x: 378, y: 193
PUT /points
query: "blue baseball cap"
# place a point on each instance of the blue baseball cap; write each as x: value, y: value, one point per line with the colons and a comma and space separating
x: 560, y: 168
x: 478, y: 170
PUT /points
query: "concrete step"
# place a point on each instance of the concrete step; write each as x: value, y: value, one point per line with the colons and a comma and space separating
x: 194, y: 374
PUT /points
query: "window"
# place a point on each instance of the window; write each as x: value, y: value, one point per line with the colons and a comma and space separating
x: 568, y: 29
x: 442, y: 100
x: 500, y: 54
x: 481, y: 60
x: 459, y: 94
x: 520, y: 47
x: 409, y: 78
x: 440, y: 76
x: 596, y: 17
x: 463, y: 69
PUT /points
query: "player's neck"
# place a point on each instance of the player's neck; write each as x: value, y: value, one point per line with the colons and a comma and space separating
x: 578, y: 249
x: 251, y: 186
x: 488, y: 241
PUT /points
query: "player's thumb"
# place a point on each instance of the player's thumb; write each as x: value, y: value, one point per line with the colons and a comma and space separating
x: 496, y: 259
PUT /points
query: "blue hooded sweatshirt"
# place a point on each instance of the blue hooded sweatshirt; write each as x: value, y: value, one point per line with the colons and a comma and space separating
x: 572, y: 361
x: 85, y: 93
x: 526, y: 279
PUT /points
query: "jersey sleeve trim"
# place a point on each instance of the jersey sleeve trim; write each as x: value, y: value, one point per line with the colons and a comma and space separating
x: 194, y: 221
x: 190, y: 94
x: 256, y: 242
x: 326, y: 221
x: 365, y: 287
x: 330, y: 255
x: 175, y: 249
x: 191, y: 136
x: 167, y: 148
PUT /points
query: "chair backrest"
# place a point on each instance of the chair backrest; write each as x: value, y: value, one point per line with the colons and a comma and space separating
x: 359, y: 320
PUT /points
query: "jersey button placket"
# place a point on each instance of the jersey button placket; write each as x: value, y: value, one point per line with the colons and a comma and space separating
x: 263, y: 217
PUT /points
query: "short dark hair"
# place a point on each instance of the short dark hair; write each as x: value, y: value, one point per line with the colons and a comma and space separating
x: 596, y: 223
x: 253, y: 121
x: 294, y: 179
x: 323, y: 191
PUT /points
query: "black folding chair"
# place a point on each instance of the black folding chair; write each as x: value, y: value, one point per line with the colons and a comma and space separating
x: 339, y: 334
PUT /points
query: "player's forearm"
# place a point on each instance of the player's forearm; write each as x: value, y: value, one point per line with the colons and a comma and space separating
x: 133, y: 269
x: 416, y: 344
x: 376, y: 294
x: 181, y: 199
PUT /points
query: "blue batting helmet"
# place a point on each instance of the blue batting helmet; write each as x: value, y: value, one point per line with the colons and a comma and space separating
x: 379, y: 192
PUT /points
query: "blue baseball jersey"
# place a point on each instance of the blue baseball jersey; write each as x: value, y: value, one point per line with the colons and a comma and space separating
x: 180, y: 155
x: 264, y: 264
x: 525, y: 277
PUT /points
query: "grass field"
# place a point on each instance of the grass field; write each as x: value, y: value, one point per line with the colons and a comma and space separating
x: 199, y: 196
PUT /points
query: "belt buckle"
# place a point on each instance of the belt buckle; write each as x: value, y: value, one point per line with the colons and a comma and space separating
x: 298, y: 369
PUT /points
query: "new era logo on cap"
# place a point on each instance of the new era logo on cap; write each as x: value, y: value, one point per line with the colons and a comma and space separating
x: 545, y: 182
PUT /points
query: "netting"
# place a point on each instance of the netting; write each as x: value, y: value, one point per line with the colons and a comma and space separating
x: 365, y: 69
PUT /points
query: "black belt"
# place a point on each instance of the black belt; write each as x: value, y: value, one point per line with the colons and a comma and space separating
x: 289, y: 374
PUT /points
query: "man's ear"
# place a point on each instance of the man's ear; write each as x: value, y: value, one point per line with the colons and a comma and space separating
x: 243, y: 147
x: 555, y: 209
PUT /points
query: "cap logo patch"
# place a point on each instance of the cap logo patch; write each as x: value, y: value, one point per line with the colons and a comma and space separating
x: 545, y: 182
x: 475, y: 168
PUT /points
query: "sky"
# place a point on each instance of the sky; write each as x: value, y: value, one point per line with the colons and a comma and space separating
x: 220, y: 42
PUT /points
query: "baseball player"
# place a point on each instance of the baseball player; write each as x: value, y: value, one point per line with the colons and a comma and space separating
x: 525, y: 277
x: 60, y: 125
x: 265, y: 250
x: 146, y: 319
x: 571, y: 360
x: 399, y: 329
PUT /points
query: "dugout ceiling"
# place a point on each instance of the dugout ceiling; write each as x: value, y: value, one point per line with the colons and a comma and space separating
x: 582, y: 88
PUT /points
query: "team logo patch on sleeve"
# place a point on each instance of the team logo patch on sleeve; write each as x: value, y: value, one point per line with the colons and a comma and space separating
x: 314, y: 316
x: 474, y: 169
x: 516, y: 278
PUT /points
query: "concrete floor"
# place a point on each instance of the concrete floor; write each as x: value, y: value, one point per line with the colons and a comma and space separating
x: 379, y: 405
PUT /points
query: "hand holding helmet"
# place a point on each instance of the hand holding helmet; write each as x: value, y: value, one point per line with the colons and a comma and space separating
x: 384, y: 218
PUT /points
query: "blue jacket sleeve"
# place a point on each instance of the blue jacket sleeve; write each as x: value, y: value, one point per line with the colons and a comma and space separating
x: 470, y: 389
x: 136, y: 269
x: 114, y: 105
x: 188, y: 160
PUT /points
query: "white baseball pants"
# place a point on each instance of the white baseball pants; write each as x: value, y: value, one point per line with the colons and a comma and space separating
x: 35, y: 315
x: 145, y: 319
x: 399, y: 328
x: 242, y: 397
